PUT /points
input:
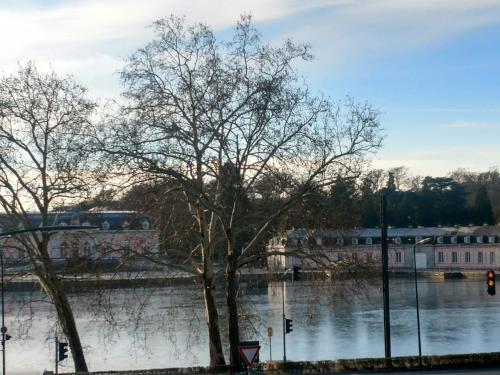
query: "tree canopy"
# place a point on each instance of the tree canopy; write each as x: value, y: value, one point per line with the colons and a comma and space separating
x: 218, y: 120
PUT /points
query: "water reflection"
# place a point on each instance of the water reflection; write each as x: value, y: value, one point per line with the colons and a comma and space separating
x: 154, y: 328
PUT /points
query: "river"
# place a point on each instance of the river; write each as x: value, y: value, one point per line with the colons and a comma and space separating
x: 157, y: 328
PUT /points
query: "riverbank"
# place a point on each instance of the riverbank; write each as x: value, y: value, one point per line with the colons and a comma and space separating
x: 412, y: 363
x: 154, y: 279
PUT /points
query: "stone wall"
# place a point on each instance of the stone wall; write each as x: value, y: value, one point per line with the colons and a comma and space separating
x: 467, y: 361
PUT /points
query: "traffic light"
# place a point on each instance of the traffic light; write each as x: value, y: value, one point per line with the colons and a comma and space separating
x: 490, y: 280
x: 288, y: 325
x: 63, y: 350
x: 296, y: 273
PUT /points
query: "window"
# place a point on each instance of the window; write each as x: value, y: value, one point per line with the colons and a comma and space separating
x: 467, y: 257
x: 491, y: 239
x: 318, y: 241
x: 397, y: 240
x: 369, y: 257
x: 479, y: 239
x: 440, y: 257
x: 64, y: 249
x: 340, y: 241
x: 439, y: 240
x: 126, y: 247
x: 453, y: 239
x: 399, y: 257
x: 101, y: 248
x: 492, y: 257
x: 75, y: 249
x: 480, y: 257
x: 466, y: 239
x: 454, y: 257
x: 87, y: 249
x: 354, y: 241
x: 369, y: 241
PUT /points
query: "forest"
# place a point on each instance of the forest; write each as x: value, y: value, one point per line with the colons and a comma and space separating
x: 460, y: 198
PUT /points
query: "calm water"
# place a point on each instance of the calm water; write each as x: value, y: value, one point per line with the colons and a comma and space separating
x: 154, y: 328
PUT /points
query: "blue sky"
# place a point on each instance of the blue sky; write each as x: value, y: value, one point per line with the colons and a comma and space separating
x: 430, y: 66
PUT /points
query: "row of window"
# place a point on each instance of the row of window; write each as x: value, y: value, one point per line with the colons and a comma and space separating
x: 456, y: 257
x: 145, y: 224
x: 89, y: 248
x: 397, y: 240
x: 398, y: 256
x: 467, y: 239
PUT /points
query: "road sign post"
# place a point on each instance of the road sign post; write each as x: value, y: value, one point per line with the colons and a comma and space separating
x: 270, y: 335
x: 249, y: 351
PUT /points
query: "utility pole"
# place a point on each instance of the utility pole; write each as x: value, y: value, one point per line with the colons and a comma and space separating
x: 385, y: 276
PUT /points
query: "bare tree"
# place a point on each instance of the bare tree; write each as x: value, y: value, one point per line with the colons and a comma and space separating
x: 215, y: 119
x: 44, y: 124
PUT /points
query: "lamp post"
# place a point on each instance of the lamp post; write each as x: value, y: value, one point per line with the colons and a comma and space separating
x: 421, y: 242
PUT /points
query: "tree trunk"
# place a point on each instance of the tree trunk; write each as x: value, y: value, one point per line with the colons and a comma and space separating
x: 66, y: 319
x: 212, y: 315
x: 53, y: 286
x: 214, y: 340
x: 232, y: 310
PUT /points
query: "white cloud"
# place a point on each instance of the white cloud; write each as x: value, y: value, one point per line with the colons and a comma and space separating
x: 90, y: 38
x: 469, y: 125
x: 85, y: 35
x: 441, y: 161
x: 431, y: 167
x: 362, y: 29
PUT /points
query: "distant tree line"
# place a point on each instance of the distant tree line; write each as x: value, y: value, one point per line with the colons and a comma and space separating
x: 461, y: 198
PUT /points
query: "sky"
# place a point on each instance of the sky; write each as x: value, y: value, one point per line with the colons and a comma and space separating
x: 431, y: 67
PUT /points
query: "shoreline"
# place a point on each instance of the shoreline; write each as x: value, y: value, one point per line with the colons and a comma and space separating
x: 124, y: 280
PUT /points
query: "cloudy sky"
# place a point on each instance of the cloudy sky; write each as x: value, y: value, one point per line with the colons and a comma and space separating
x: 432, y: 67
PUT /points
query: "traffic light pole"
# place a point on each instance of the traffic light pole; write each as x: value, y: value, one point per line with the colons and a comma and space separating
x: 284, y: 321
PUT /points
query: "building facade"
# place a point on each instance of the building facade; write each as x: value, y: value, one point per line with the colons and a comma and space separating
x: 449, y: 248
x: 111, y: 235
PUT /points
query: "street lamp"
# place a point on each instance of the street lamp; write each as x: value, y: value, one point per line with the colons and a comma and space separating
x: 421, y: 242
